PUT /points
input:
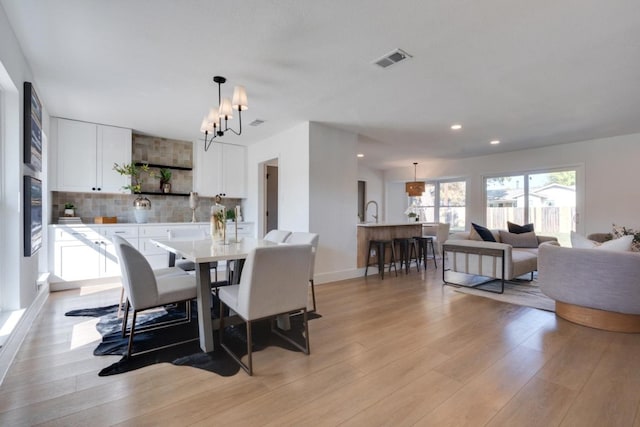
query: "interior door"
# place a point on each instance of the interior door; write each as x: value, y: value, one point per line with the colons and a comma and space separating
x: 272, y: 198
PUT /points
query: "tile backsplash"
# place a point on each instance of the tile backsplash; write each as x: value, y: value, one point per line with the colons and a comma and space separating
x: 163, y: 208
x: 168, y: 152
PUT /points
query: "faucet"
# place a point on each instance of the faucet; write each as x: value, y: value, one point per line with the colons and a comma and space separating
x: 366, y: 208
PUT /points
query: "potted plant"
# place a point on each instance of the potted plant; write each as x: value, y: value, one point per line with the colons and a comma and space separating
x: 141, y: 205
x: 69, y: 209
x: 165, y: 178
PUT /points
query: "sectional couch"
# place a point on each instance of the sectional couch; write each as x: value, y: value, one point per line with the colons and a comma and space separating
x: 593, y: 287
x: 510, y: 256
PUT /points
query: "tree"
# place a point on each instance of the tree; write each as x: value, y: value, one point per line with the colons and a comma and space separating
x: 567, y: 178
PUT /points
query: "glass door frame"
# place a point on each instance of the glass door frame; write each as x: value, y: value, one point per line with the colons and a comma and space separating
x: 578, y: 219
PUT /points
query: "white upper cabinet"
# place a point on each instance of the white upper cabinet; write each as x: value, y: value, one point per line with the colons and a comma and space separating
x: 86, y: 153
x: 234, y: 171
x: 220, y: 170
x: 207, y: 176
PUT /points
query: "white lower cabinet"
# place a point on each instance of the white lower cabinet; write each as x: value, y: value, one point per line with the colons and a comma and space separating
x: 85, y: 252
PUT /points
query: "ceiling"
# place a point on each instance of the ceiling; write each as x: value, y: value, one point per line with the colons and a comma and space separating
x: 530, y: 74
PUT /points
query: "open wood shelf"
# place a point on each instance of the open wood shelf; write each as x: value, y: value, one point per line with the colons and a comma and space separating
x: 157, y: 193
x: 153, y: 165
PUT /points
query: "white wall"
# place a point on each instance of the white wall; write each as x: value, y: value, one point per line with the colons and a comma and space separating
x: 374, y: 191
x: 291, y: 148
x: 333, y: 203
x: 317, y: 180
x: 18, y: 274
x: 606, y: 172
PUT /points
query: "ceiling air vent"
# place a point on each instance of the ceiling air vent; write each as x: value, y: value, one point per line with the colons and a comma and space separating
x: 392, y: 57
x: 256, y: 122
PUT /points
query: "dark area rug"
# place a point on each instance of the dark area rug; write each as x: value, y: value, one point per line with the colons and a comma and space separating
x: 186, y: 354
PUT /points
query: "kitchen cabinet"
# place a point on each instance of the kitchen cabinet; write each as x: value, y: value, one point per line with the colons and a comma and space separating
x: 221, y: 170
x: 86, y: 153
x: 158, y: 257
x: 85, y: 252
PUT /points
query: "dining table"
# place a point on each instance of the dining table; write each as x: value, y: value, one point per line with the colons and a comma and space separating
x: 202, y: 252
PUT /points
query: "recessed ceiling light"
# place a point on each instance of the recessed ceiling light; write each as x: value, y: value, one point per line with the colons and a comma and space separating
x: 495, y: 142
x: 360, y: 155
x: 456, y: 127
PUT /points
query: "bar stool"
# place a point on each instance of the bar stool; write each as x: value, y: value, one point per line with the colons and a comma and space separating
x: 424, y: 242
x: 379, y: 246
x: 408, y: 251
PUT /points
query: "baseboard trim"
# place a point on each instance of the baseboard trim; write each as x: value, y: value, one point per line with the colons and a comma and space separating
x: 12, y: 345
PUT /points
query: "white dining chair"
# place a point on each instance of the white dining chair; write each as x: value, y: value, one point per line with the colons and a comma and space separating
x: 145, y: 290
x: 158, y: 272
x: 299, y: 238
x: 191, y: 234
x: 277, y: 236
x: 273, y: 282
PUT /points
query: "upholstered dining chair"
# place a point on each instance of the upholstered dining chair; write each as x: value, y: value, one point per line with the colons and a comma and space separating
x: 301, y: 238
x: 158, y: 272
x: 277, y: 236
x: 273, y: 282
x: 186, y: 234
x: 145, y: 290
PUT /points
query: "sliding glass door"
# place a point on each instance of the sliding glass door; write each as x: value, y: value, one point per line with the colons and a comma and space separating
x: 546, y: 199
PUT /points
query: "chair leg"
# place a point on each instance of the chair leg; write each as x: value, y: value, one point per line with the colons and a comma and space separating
x: 248, y: 368
x: 249, y: 349
x: 133, y: 328
x: 125, y: 317
x: 313, y: 295
x: 120, y: 303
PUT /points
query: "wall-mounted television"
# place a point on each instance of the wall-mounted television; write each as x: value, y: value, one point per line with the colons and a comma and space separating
x: 32, y: 215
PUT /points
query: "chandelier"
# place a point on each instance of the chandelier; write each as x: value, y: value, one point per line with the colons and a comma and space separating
x: 414, y: 188
x: 215, y: 124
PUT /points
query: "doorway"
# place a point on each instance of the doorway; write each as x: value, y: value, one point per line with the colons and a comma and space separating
x: 362, y: 194
x: 271, y: 184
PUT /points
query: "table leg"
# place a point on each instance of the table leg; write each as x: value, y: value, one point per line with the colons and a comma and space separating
x: 205, y: 326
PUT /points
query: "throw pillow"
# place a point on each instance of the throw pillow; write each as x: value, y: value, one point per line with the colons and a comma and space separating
x: 581, y: 242
x: 518, y: 229
x: 519, y: 240
x: 484, y: 232
x: 621, y: 244
x: 620, y: 230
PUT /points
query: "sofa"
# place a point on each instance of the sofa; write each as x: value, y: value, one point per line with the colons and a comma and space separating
x: 510, y: 256
x: 592, y: 287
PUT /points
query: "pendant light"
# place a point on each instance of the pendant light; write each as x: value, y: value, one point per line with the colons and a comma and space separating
x: 215, y: 124
x: 414, y: 188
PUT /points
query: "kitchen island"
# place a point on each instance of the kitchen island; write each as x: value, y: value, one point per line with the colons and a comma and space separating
x: 383, y: 231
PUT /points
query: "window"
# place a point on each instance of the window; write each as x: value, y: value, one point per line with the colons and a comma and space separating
x: 442, y: 201
x: 546, y: 199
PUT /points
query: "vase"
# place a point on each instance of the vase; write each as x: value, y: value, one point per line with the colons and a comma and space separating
x: 194, y: 201
x: 218, y: 226
x: 166, y: 187
x: 141, y: 208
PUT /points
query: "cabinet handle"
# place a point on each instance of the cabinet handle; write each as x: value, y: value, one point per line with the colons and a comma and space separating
x: 93, y: 188
x: 119, y: 232
x: 99, y: 188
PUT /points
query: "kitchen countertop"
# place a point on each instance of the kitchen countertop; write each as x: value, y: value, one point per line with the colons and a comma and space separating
x: 391, y: 224
x: 135, y: 224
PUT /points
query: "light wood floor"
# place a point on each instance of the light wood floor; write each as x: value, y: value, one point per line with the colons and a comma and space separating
x: 397, y: 352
